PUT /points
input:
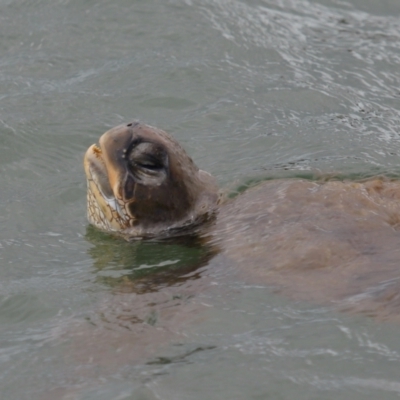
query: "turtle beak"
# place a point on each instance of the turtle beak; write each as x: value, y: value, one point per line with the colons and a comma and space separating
x: 104, y: 210
x: 95, y: 169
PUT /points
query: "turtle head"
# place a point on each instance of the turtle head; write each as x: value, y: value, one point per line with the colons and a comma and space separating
x: 141, y: 183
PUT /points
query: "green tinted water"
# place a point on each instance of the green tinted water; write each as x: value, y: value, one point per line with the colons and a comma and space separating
x: 253, y: 90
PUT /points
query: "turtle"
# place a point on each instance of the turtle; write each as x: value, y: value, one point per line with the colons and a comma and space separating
x: 327, y: 240
x: 142, y: 184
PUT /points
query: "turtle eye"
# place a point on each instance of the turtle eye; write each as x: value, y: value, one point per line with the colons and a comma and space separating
x: 149, y: 162
x: 147, y: 158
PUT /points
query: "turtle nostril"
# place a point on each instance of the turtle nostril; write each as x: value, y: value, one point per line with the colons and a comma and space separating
x: 134, y: 123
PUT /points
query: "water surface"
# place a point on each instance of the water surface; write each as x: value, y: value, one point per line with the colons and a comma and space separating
x: 252, y: 89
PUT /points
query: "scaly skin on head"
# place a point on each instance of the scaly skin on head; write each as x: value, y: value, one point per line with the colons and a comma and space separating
x: 141, y: 183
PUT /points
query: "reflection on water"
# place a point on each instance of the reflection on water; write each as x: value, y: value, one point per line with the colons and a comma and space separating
x: 153, y: 299
x: 143, y: 267
x: 154, y: 284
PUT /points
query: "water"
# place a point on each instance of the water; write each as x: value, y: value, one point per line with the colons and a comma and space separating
x: 251, y: 89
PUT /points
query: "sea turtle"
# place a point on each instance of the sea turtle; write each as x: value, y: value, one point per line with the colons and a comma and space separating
x: 326, y: 240
x: 142, y: 184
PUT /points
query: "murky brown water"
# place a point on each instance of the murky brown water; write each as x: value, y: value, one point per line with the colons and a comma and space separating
x: 253, y: 90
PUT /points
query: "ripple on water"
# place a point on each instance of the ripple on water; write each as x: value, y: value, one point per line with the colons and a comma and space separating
x: 247, y: 86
